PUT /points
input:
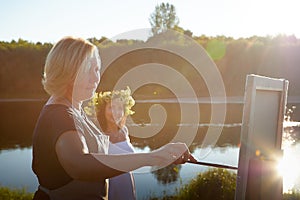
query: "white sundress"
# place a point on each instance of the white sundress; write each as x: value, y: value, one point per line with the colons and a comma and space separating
x: 122, y: 186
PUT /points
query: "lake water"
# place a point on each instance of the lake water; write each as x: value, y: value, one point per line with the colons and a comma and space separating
x: 16, y: 153
x: 15, y: 172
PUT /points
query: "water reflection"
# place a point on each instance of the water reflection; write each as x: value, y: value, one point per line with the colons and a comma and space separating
x: 18, y: 121
x: 289, y: 165
x: 15, y: 170
x: 168, y: 174
x: 289, y: 168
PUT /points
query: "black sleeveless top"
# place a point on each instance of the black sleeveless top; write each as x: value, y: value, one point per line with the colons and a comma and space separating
x: 54, y: 120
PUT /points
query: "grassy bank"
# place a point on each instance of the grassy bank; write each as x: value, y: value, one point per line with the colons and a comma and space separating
x: 14, y: 194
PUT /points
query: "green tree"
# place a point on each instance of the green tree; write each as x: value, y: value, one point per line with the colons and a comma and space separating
x: 163, y: 18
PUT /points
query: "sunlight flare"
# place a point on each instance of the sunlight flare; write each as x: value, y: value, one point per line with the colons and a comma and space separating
x: 288, y: 167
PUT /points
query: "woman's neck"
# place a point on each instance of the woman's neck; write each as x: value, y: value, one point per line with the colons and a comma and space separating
x: 65, y: 100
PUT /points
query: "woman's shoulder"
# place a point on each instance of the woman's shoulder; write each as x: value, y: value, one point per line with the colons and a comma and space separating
x: 58, y: 115
x: 53, y: 108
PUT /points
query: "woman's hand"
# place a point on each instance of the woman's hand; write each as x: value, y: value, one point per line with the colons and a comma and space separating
x: 186, y: 156
x: 172, y: 153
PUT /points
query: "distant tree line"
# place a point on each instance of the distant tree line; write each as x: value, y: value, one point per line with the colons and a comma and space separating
x: 21, y: 62
x: 21, y: 65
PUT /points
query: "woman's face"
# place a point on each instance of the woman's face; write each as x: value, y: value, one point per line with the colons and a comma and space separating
x: 114, y: 111
x: 87, y: 80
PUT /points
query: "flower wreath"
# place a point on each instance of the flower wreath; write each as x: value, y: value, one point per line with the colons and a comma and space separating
x: 101, y: 97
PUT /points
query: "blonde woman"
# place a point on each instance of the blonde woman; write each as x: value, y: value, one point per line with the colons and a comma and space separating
x: 112, y: 109
x: 70, y: 156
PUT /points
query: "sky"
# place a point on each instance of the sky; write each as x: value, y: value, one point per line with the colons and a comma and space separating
x: 50, y: 20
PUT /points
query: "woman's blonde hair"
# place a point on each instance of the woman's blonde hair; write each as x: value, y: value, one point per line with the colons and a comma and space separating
x: 63, y: 63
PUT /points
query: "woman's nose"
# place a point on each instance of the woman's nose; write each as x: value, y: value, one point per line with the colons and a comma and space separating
x: 95, y: 78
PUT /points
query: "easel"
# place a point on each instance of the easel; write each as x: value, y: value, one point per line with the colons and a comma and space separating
x: 261, y: 136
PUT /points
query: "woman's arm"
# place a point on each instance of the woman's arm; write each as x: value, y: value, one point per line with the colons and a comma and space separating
x: 77, y: 162
x: 84, y: 166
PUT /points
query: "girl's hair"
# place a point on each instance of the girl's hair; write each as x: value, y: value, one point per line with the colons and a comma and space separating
x: 64, y: 61
x: 100, y: 115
